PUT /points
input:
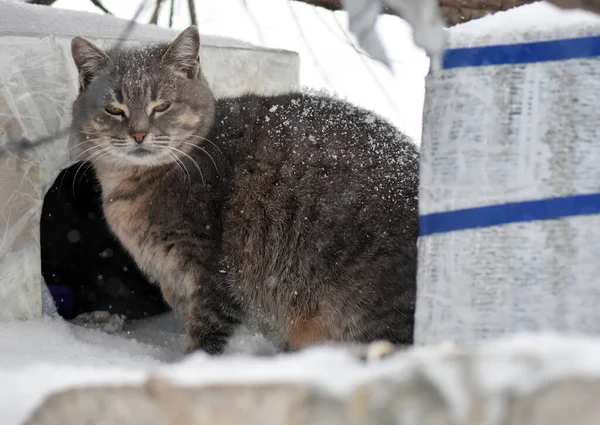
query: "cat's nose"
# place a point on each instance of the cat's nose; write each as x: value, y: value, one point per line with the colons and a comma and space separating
x: 139, y: 136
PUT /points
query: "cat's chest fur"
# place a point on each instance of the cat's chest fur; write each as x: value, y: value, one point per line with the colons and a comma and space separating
x: 169, y: 226
x: 128, y: 218
x: 138, y: 212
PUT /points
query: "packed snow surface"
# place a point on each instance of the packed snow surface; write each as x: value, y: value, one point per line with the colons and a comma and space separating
x: 49, y: 354
x: 533, y: 22
x: 541, y: 15
x: 43, y: 356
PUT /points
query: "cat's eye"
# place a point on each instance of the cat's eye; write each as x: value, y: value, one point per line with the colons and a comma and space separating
x: 161, y: 107
x: 114, y: 110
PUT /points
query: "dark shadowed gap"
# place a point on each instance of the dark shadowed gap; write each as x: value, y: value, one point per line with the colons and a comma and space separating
x: 84, y: 266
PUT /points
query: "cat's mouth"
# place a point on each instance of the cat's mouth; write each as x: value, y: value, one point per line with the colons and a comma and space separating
x: 140, y: 151
x: 143, y: 155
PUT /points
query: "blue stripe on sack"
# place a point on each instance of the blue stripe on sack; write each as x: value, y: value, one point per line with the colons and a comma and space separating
x: 517, y: 212
x: 543, y: 51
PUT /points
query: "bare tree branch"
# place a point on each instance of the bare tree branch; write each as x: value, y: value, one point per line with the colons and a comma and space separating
x: 171, y: 13
x: 470, y: 4
x: 192, y: 8
x: 454, y: 11
x: 589, y: 5
x: 42, y: 2
x: 327, y: 4
x: 154, y: 19
x: 101, y: 6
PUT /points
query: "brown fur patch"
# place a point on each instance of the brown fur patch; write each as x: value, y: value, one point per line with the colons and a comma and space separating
x: 309, y: 330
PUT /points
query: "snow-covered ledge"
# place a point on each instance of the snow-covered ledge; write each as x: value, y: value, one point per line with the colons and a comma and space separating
x: 526, y: 380
x: 37, y: 86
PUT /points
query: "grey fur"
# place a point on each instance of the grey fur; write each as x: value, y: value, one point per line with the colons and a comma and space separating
x: 295, y: 214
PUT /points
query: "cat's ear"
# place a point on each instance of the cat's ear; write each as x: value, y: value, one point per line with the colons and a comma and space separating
x: 183, y: 53
x: 88, y: 58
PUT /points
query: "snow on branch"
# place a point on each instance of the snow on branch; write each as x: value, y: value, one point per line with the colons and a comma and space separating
x: 453, y: 11
x: 589, y: 5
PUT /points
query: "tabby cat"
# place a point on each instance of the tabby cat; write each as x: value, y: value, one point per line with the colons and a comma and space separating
x: 295, y: 214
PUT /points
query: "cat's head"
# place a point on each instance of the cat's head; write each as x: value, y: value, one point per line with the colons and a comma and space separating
x: 141, y: 106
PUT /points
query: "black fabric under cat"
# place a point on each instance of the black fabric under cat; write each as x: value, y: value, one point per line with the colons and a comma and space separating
x: 85, y: 267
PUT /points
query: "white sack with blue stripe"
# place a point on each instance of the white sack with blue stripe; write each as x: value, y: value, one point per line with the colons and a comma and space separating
x: 510, y: 179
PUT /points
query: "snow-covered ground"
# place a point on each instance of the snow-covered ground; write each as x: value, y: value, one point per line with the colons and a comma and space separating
x: 35, y: 354
x: 38, y: 358
x: 43, y: 356
x: 48, y: 354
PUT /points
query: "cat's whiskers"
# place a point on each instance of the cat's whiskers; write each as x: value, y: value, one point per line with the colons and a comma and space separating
x: 182, y: 141
x: 207, y: 140
x: 74, y: 161
x: 79, y: 144
x: 191, y: 159
x: 104, y: 153
x: 84, y: 142
x: 202, y: 150
x: 183, y: 169
x: 83, y: 163
x: 77, y: 157
x: 87, y: 164
x: 88, y: 133
x: 103, y: 139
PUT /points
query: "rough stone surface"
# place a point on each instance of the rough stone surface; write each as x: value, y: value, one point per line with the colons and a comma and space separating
x: 572, y: 402
x: 160, y: 403
x: 389, y: 401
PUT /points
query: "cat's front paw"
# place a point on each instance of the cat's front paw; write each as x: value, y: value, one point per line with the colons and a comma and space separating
x: 210, y: 345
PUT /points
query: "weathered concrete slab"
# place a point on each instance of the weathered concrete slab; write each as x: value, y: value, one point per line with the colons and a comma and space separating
x: 497, y: 384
